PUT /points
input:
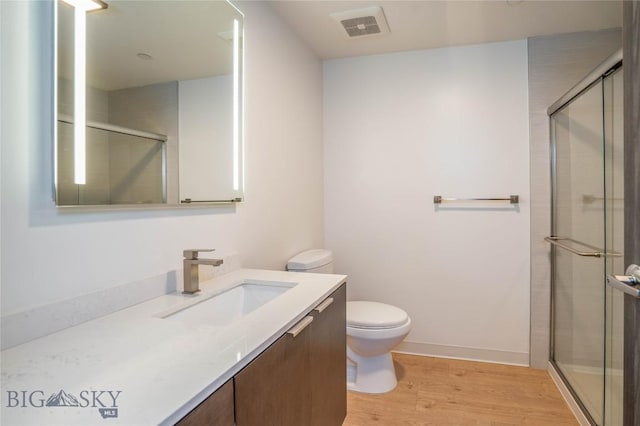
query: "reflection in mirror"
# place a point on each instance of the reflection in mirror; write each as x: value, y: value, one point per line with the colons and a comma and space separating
x: 163, y: 103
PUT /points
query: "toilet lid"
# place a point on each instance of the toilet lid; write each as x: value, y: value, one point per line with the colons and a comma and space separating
x: 374, y: 315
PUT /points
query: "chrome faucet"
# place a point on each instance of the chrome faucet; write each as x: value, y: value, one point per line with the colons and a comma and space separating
x: 190, y: 268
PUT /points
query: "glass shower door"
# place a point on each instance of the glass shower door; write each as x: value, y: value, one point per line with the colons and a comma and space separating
x: 578, y: 290
x: 588, y: 243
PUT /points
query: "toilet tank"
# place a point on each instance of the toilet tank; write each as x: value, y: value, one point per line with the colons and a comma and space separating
x: 316, y: 260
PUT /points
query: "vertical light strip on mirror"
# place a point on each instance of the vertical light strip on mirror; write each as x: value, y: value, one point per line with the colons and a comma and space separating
x: 55, y: 101
x: 236, y: 105
x: 80, y: 9
x: 79, y: 94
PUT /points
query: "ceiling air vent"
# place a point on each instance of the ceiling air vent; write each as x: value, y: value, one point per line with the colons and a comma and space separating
x: 362, y: 22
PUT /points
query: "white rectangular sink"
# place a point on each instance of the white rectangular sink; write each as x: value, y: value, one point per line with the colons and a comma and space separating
x: 224, y: 308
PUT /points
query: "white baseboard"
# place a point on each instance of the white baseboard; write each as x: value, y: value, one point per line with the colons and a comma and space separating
x: 465, y: 353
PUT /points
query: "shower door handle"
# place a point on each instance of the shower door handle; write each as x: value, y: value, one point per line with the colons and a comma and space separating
x: 628, y: 284
x: 595, y: 251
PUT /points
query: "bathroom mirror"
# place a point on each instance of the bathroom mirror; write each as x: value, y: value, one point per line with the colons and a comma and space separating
x: 158, y: 90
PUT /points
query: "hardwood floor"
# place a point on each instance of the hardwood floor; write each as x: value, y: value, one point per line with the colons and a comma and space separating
x: 437, y: 391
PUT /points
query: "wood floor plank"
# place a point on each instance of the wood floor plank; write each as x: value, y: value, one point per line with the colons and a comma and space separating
x: 439, y: 391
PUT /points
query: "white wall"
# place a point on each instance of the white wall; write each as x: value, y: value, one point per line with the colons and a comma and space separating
x: 49, y: 255
x: 206, y: 117
x: 401, y: 128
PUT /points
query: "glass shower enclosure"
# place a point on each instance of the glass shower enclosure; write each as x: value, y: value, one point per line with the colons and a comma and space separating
x: 587, y: 242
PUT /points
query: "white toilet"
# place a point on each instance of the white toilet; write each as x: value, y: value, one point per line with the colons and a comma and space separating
x: 373, y: 329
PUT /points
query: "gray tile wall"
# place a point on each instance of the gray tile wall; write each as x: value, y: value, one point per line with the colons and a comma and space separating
x: 137, y: 175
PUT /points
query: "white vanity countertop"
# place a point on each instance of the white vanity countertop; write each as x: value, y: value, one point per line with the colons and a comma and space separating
x: 162, y: 368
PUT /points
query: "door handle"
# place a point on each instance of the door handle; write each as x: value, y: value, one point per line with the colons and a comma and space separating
x: 324, y: 305
x: 628, y: 284
x: 297, y: 329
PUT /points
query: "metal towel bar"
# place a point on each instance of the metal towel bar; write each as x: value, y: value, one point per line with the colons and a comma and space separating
x: 116, y: 129
x: 586, y: 199
x: 596, y: 252
x: 513, y: 199
x: 190, y: 201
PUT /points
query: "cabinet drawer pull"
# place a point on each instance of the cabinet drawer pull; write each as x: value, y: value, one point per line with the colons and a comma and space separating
x: 297, y: 329
x: 324, y: 305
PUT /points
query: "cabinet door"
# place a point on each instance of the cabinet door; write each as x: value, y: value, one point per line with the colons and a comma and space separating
x: 274, y: 388
x: 329, y: 361
x: 216, y: 410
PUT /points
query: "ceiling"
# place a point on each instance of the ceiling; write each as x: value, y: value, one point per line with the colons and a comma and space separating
x: 431, y: 24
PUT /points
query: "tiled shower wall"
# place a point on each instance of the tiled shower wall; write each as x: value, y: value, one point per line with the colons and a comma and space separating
x: 136, y: 167
x: 121, y: 169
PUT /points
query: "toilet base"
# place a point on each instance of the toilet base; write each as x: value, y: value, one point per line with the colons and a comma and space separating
x: 372, y: 374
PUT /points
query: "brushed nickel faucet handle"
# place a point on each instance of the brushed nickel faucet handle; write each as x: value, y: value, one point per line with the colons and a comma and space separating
x: 192, y: 254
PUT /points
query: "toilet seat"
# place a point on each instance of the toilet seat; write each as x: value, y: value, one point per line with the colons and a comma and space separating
x: 375, y: 316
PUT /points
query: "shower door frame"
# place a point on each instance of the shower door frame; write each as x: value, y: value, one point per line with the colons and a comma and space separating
x: 607, y: 67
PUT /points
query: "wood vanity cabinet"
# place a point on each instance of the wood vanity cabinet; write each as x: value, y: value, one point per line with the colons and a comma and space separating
x: 329, y: 361
x: 216, y: 410
x: 272, y: 389
x: 299, y: 380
